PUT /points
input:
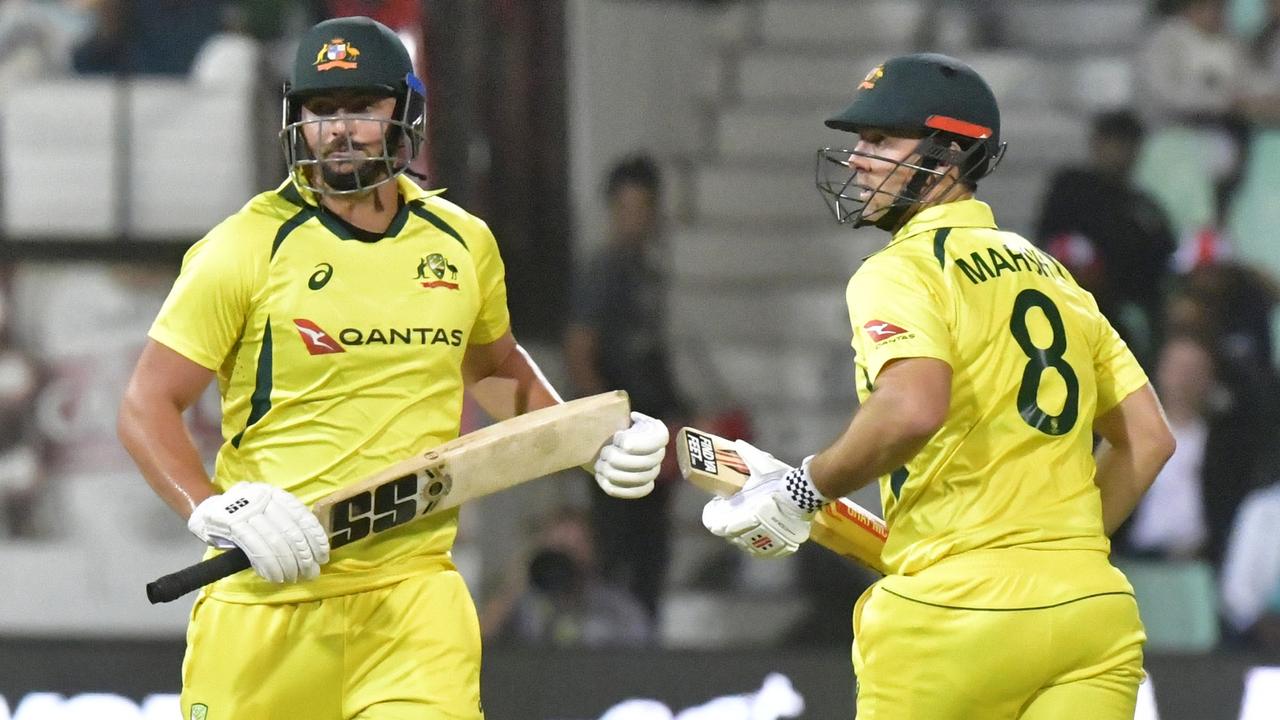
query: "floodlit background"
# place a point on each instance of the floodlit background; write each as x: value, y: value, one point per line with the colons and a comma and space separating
x: 1144, y: 152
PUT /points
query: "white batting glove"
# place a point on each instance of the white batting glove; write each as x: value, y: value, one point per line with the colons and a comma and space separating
x: 628, y: 465
x: 772, y: 513
x: 283, y: 540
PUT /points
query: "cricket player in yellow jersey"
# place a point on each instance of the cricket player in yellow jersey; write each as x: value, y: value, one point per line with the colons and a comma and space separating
x: 342, y: 315
x: 983, y: 372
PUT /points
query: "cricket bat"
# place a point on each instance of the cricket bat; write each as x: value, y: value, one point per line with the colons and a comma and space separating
x: 712, y: 464
x: 472, y: 466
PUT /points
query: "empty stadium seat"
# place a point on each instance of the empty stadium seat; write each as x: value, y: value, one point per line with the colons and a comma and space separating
x: 1254, y: 225
x: 60, y: 164
x: 191, y: 157
x: 191, y: 160
x: 822, y: 78
x: 1073, y: 25
x: 1099, y: 83
x: 1178, y: 602
x: 871, y: 24
x: 1171, y: 167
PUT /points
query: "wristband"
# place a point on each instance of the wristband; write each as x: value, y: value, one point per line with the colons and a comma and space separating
x: 802, y: 491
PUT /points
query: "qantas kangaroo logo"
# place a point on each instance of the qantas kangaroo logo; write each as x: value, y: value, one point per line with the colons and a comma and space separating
x: 318, y: 341
x: 880, y: 330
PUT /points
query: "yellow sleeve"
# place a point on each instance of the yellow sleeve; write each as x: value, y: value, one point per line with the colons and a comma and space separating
x: 897, y: 311
x: 1116, y: 369
x: 493, y: 320
x: 205, y: 312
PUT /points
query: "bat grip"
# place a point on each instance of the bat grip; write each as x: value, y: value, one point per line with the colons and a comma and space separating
x: 193, y: 577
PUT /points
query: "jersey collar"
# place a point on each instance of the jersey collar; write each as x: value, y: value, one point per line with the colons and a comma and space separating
x: 959, y: 214
x: 409, y: 190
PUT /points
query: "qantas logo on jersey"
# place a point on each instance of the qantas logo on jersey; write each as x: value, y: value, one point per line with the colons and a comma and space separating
x: 318, y: 341
x: 879, y: 330
x: 401, y: 336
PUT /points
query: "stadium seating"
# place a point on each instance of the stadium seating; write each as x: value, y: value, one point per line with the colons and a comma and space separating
x: 1255, y: 215
x: 1171, y: 168
x: 1076, y: 26
x: 191, y: 160
x: 1178, y: 602
x: 809, y: 23
x: 60, y: 174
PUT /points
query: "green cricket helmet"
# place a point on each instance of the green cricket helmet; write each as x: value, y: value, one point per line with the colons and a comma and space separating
x: 352, y: 55
x: 936, y: 98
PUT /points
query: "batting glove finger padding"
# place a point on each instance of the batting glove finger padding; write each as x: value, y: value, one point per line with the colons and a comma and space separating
x: 282, y: 539
x: 645, y: 435
x: 628, y: 466
x: 759, y: 462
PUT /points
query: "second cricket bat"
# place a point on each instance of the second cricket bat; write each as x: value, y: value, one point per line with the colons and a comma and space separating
x: 712, y: 464
x: 490, y: 459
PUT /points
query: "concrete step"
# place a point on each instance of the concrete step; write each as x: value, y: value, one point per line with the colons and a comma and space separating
x: 812, y: 312
x: 787, y: 133
x: 783, y: 192
x: 723, y: 254
x: 868, y: 23
x: 823, y: 81
x: 780, y: 191
x: 1075, y: 26
x: 774, y: 374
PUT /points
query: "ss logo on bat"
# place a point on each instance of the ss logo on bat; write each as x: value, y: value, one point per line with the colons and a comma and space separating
x: 392, y: 503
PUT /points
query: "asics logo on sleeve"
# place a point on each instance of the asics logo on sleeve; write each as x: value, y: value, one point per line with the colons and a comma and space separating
x: 879, y: 330
x: 318, y: 341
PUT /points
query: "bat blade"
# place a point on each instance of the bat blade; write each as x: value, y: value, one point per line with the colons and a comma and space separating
x: 472, y: 466
x: 711, y: 464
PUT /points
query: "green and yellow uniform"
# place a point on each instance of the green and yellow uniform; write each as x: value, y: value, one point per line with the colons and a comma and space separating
x: 337, y: 353
x: 999, y: 511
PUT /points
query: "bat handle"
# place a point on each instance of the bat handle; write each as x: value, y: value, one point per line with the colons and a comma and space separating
x: 193, y: 577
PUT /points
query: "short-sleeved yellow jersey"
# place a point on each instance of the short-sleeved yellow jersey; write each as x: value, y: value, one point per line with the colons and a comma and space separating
x: 337, y: 353
x: 1033, y: 363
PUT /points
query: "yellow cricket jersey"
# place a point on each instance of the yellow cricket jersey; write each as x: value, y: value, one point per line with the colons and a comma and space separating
x: 1010, y: 473
x: 337, y: 353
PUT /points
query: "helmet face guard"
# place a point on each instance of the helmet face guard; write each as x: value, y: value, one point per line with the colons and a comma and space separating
x: 401, y: 140
x: 929, y: 162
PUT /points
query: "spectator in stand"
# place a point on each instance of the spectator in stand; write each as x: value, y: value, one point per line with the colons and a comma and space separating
x: 1169, y: 521
x: 147, y: 37
x: 1230, y: 305
x: 1190, y: 71
x: 37, y: 37
x: 616, y: 339
x: 1111, y: 235
x: 1251, y: 571
x: 1264, y: 49
x: 561, y: 600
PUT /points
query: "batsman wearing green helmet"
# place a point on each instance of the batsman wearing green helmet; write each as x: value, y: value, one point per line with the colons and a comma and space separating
x: 983, y: 372
x: 343, y: 315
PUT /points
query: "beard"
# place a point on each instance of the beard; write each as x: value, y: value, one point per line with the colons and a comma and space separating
x: 366, y: 168
x: 363, y: 174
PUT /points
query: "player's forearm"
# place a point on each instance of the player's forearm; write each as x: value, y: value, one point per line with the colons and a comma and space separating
x: 515, y: 386
x: 153, y: 432
x: 1124, y: 474
x: 880, y: 440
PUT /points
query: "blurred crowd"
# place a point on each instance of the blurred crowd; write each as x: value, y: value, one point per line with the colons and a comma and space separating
x: 1199, y: 319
